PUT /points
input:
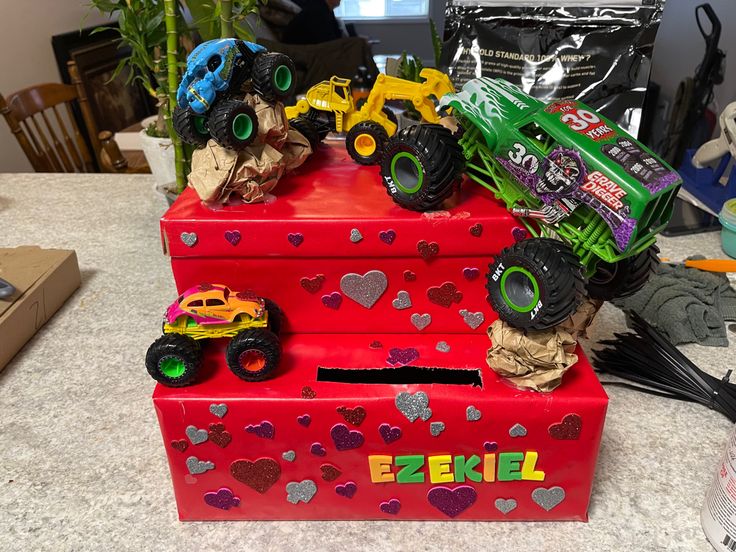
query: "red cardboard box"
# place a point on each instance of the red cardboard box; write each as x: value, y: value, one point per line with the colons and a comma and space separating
x: 466, y: 447
x: 331, y: 219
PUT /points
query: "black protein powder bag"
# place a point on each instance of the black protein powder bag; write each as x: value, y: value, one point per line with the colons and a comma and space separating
x: 598, y: 52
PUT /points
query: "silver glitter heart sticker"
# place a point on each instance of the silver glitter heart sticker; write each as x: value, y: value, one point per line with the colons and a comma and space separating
x: 366, y: 289
x: 421, y: 321
x: 472, y: 414
x: 196, y: 436
x: 413, y: 406
x: 435, y: 428
x: 189, y: 238
x: 472, y: 319
x: 355, y: 235
x: 517, y: 430
x: 300, y: 491
x: 548, y: 498
x: 289, y: 455
x: 505, y: 505
x: 218, y: 410
x: 197, y: 466
x: 442, y: 347
x: 402, y: 301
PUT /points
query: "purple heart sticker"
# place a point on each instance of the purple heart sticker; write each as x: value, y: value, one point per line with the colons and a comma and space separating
x: 332, y: 300
x: 387, y: 236
x: 233, y: 236
x: 224, y: 499
x: 317, y: 449
x: 490, y: 446
x: 295, y: 239
x: 344, y: 438
x: 519, y: 234
x: 265, y: 430
x: 304, y: 420
x: 347, y: 490
x: 452, y: 502
x: 388, y: 433
x: 391, y: 507
x: 471, y: 273
x: 398, y: 356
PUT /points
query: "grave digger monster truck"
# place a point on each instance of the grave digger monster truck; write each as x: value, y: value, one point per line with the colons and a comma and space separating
x: 329, y: 106
x: 209, y: 97
x: 591, y: 197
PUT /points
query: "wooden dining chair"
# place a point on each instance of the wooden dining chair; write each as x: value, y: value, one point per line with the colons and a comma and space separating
x: 41, y: 119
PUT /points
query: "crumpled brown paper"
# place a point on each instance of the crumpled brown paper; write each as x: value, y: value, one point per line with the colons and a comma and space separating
x: 537, y: 360
x: 219, y: 173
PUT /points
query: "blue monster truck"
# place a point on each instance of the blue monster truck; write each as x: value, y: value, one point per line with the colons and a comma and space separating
x: 208, y: 97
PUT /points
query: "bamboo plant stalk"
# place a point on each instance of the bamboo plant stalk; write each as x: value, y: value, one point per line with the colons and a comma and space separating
x: 226, y: 19
x: 172, y: 65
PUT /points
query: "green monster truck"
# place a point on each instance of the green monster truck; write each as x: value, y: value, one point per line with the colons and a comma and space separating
x: 591, y: 197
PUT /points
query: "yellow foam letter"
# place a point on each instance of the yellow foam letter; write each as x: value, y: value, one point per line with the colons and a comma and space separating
x: 489, y: 468
x: 380, y: 466
x: 439, y: 469
x: 527, y: 467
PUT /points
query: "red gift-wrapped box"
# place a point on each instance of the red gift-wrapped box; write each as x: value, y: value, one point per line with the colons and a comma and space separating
x: 338, y: 256
x: 387, y: 426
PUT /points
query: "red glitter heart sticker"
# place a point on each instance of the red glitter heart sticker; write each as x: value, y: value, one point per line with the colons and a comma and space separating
x: 428, y: 250
x: 219, y: 435
x: 314, y: 284
x: 354, y: 416
x: 308, y: 392
x: 444, y: 295
x: 409, y: 276
x: 330, y: 472
x: 476, y: 230
x: 568, y: 429
x: 259, y: 475
x: 180, y: 445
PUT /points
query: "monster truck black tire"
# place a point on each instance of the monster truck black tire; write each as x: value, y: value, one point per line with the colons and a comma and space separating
x: 233, y: 124
x: 535, y: 284
x: 323, y: 121
x: 190, y: 127
x: 254, y: 355
x: 365, y: 142
x: 421, y: 166
x: 623, y: 278
x: 307, y: 129
x: 174, y: 360
x: 391, y: 115
x: 275, y: 316
x: 274, y: 76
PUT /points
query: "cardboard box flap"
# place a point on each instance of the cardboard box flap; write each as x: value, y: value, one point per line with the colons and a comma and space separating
x: 335, y: 207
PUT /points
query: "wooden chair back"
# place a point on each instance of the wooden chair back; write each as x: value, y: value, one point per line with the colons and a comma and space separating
x: 51, y: 142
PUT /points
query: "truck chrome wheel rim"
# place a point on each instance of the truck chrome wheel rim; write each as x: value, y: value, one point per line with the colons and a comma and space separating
x: 519, y: 289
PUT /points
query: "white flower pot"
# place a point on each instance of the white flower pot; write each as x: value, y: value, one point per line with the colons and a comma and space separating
x: 159, y: 154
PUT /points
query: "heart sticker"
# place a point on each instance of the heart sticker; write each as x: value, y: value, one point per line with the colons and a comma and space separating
x: 505, y: 505
x: 218, y: 410
x: 264, y: 430
x: 219, y: 436
x: 197, y: 466
x: 329, y: 472
x: 389, y: 433
x: 428, y: 250
x: 224, y: 499
x: 472, y: 319
x: 444, y: 295
x: 548, y: 498
x: 490, y: 446
x: 391, y: 506
x: 402, y: 357
x: 289, y: 455
x: 295, y: 239
x: 413, y: 406
x: 517, y: 430
x: 196, y: 436
x: 476, y: 230
x: 402, y: 301
x: 345, y: 438
x: 233, y: 237
x: 353, y: 416
x: 375, y: 344
x: 387, y: 236
x: 189, y: 238
x: 347, y: 490
x: 472, y: 414
x: 519, y: 234
x: 366, y: 289
x: 355, y: 235
x: 332, y: 300
x: 314, y: 284
x: 302, y: 491
x: 304, y: 420
x: 442, y: 347
x: 435, y: 428
x: 181, y: 445
x: 409, y: 276
x: 308, y: 392
x: 421, y: 321
x: 470, y: 273
x: 568, y: 429
x: 317, y: 449
x: 452, y: 502
x: 259, y: 475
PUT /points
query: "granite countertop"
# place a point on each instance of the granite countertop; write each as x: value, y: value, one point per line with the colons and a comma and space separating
x: 83, y: 465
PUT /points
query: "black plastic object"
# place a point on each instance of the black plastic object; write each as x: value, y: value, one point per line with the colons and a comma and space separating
x: 190, y: 127
x: 174, y: 348
x: 258, y: 347
x: 623, y: 278
x: 275, y: 316
x: 307, y: 129
x: 233, y: 124
x: 657, y: 367
x: 274, y: 76
x: 535, y: 284
x: 421, y: 166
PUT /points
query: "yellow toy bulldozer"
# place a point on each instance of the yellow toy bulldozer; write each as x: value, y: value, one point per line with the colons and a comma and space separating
x: 329, y: 107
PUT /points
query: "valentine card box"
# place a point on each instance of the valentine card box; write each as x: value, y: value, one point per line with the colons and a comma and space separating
x: 388, y: 426
x: 338, y: 256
